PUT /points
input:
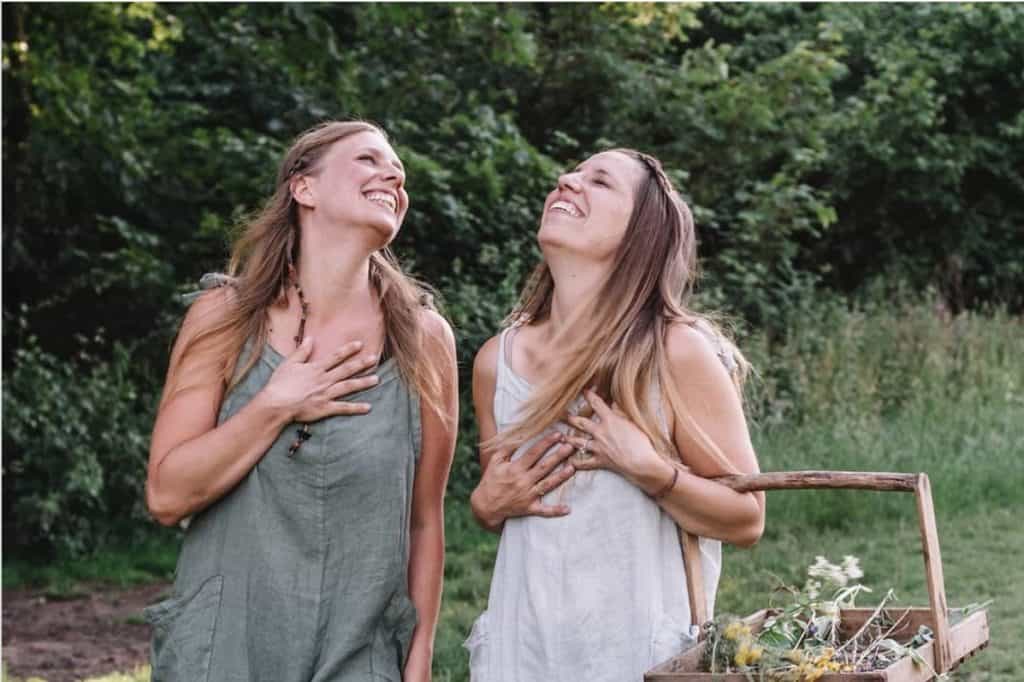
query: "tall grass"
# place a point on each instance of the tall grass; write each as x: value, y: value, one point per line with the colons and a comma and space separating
x: 893, y: 388
x: 875, y: 359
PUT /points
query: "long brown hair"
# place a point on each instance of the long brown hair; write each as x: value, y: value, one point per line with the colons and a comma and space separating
x: 261, y: 267
x: 618, y: 343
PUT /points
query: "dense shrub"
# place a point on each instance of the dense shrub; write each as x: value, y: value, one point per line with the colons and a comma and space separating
x: 75, y: 440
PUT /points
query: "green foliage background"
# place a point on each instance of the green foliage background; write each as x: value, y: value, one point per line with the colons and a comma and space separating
x: 831, y: 153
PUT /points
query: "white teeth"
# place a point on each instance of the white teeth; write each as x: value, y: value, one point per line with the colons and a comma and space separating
x: 566, y: 207
x: 384, y: 199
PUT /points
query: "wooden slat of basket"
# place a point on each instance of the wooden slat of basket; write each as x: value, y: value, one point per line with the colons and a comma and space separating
x: 933, y: 574
x: 965, y: 639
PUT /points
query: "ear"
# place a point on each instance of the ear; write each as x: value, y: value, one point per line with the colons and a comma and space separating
x: 301, y: 188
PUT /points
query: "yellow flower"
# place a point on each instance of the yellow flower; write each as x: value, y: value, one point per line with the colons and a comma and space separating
x: 735, y: 630
x: 755, y: 654
x: 743, y: 654
x: 794, y: 656
x: 808, y: 672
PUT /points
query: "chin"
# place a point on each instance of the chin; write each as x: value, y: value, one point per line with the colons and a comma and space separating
x: 382, y: 230
x: 383, y: 236
x: 556, y: 237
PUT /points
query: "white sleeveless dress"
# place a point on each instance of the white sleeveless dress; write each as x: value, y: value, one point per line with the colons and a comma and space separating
x: 597, y: 595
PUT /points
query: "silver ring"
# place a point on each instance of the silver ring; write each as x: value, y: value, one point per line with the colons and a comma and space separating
x: 584, y: 452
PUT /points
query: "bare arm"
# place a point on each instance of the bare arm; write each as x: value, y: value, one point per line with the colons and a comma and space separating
x: 713, y: 420
x: 192, y: 460
x: 426, y: 558
x: 510, y: 488
x: 711, y: 436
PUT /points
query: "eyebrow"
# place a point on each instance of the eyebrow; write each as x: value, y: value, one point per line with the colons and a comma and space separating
x: 376, y: 152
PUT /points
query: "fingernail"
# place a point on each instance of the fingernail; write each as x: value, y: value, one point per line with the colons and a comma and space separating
x: 357, y: 344
x: 571, y: 468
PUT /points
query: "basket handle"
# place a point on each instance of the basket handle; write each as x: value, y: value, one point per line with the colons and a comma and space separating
x: 858, y: 480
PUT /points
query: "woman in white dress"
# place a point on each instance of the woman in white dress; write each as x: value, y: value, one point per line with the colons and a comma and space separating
x: 604, y: 408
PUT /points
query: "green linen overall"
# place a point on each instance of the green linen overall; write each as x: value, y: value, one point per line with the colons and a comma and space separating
x: 299, y: 574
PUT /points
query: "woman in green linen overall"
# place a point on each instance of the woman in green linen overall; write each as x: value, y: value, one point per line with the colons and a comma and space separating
x: 306, y: 431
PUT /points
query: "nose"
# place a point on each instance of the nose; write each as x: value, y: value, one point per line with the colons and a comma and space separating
x: 570, y: 181
x: 393, y: 175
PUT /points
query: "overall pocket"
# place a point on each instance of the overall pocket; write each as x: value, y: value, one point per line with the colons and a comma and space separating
x: 391, y: 642
x: 183, y: 629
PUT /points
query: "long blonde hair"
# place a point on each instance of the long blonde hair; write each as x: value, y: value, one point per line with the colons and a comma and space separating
x: 261, y: 267
x: 619, y: 343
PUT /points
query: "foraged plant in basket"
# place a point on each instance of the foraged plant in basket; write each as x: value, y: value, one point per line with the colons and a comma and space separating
x: 803, y: 640
x: 819, y: 633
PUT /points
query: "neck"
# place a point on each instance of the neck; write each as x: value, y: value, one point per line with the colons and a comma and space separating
x: 577, y: 282
x: 335, y: 272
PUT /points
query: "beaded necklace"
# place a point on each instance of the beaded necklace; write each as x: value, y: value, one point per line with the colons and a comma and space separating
x: 303, y: 434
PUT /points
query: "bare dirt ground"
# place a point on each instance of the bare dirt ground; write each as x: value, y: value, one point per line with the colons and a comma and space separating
x: 65, y: 640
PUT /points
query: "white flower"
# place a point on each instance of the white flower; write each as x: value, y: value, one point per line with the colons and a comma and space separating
x: 828, y: 572
x: 851, y: 567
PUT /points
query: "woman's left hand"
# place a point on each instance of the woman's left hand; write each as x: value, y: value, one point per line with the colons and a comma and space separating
x: 613, y: 442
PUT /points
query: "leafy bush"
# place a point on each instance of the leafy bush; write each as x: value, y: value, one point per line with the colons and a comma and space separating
x: 75, y: 443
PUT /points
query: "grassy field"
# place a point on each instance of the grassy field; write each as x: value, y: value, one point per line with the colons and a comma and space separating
x: 883, y: 390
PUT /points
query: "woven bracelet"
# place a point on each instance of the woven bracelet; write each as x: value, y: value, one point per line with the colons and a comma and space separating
x: 671, y: 484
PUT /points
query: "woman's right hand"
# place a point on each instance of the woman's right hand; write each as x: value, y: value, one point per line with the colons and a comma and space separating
x: 309, y: 391
x: 510, y: 488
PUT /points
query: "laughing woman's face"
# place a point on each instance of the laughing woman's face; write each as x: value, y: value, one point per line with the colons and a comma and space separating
x: 360, y: 182
x: 589, y: 210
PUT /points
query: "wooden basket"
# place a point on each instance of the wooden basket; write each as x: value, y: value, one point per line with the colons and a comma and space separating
x: 951, y: 645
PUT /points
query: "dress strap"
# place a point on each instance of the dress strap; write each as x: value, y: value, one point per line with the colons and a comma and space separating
x: 721, y: 350
x: 506, y: 378
x: 503, y: 349
x: 211, y: 280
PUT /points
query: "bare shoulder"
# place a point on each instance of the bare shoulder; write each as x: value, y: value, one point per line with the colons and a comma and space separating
x: 207, y: 310
x: 690, y: 349
x: 439, y: 339
x: 693, y: 358
x: 436, y: 326
x: 485, y: 365
x: 205, y: 313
